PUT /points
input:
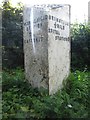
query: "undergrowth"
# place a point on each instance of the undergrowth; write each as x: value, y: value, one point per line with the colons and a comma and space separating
x: 20, y: 100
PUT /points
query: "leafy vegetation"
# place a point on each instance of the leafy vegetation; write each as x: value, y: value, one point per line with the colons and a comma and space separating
x: 20, y: 100
x: 12, y: 35
x: 80, y: 40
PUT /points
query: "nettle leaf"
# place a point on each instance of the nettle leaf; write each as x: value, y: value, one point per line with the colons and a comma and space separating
x: 25, y: 109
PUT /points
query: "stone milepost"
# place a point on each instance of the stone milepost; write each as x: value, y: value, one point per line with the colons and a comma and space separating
x: 46, y: 33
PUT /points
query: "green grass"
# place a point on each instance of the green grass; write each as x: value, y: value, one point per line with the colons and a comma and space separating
x: 20, y: 100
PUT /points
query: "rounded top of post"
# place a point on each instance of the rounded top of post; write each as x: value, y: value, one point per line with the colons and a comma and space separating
x: 49, y: 6
x: 52, y: 6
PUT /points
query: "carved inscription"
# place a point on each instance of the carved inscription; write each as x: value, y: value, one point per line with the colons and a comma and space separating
x: 58, y: 26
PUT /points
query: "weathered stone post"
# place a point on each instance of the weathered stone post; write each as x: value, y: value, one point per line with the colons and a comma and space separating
x: 47, y: 45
